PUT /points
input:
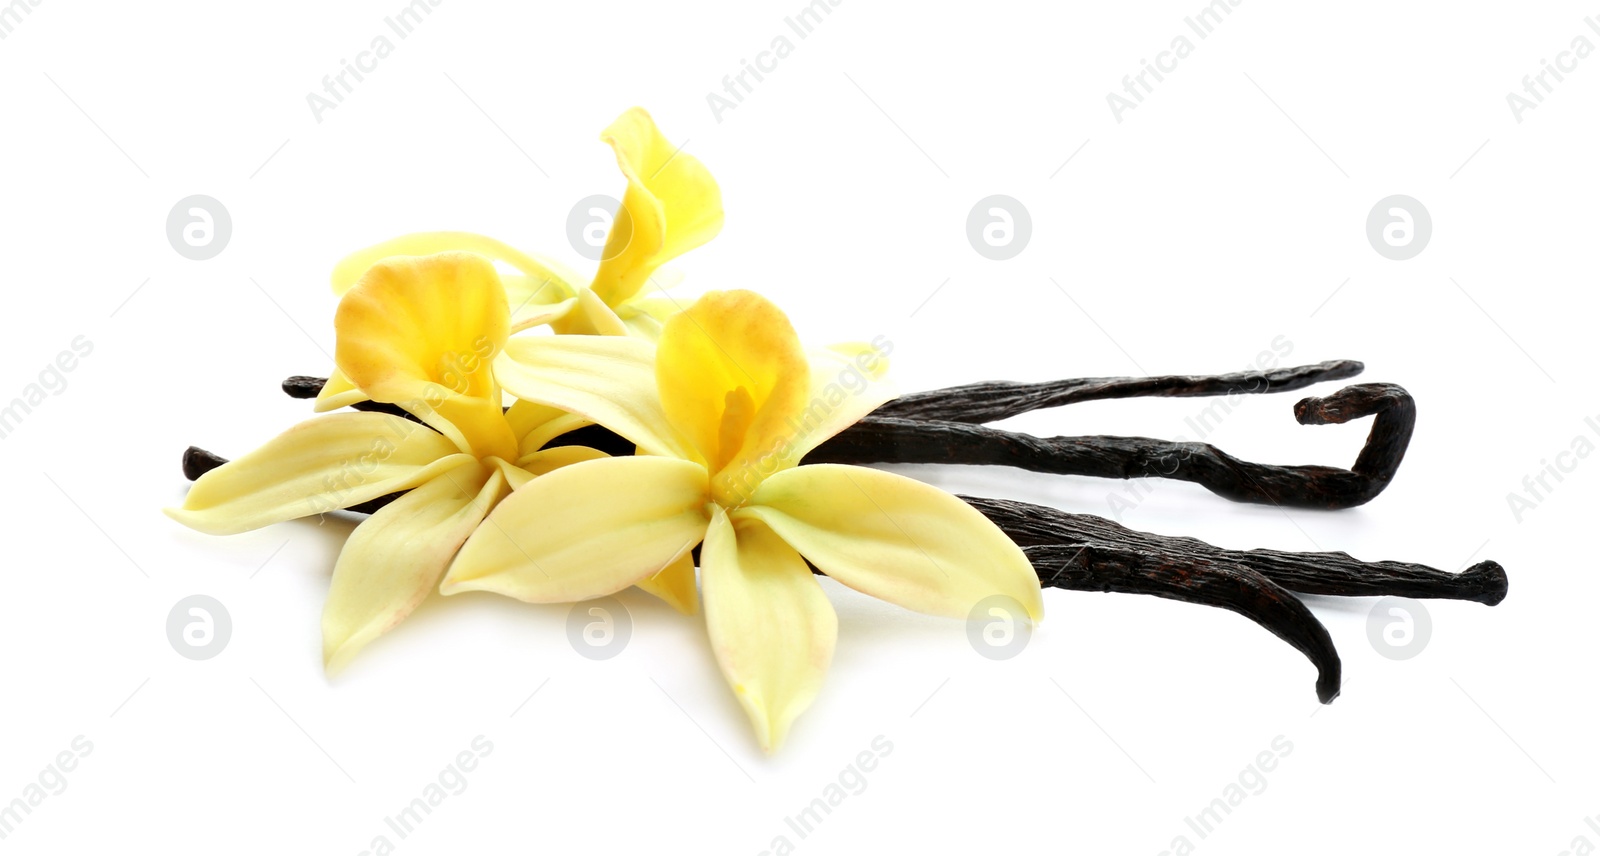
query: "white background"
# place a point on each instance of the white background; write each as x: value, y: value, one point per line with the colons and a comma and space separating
x: 1225, y: 211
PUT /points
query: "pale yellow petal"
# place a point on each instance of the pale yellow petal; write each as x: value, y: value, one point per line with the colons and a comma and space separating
x: 421, y: 332
x: 515, y: 476
x: 591, y: 317
x: 771, y: 627
x: 338, y: 393
x: 529, y: 417
x: 525, y: 316
x: 549, y: 460
x: 585, y: 531
x: 538, y: 300
x: 847, y: 383
x: 644, y: 315
x: 733, y: 377
x: 537, y: 439
x: 321, y: 465
x: 674, y: 584
x: 643, y: 327
x: 671, y: 206
x: 872, y: 358
x: 664, y: 278
x: 395, y: 557
x: 895, y: 538
x: 535, y: 425
x: 609, y: 380
x: 659, y: 308
x: 351, y: 268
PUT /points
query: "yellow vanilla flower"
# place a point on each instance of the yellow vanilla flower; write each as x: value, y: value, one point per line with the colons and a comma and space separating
x: 723, y: 411
x: 420, y: 333
x: 671, y: 205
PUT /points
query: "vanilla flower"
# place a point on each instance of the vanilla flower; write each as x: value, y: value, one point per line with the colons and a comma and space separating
x: 671, y: 205
x: 420, y: 333
x: 723, y: 409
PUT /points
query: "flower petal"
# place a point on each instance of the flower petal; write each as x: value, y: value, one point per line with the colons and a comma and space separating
x: 591, y: 317
x: 585, y: 531
x: 351, y: 268
x: 338, y: 393
x: 895, y: 538
x: 527, y: 418
x: 515, y: 476
x: 421, y: 332
x: 395, y: 557
x: 610, y: 380
x: 535, y: 425
x: 847, y: 383
x: 671, y: 206
x: 643, y: 315
x: 772, y: 628
x: 322, y: 464
x: 732, y: 376
x: 415, y: 322
x: 674, y: 584
x: 536, y: 301
x: 549, y: 460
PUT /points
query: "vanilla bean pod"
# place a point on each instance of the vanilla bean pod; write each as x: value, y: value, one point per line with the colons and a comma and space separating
x: 884, y: 440
x: 1087, y: 553
x: 1110, y: 567
x: 996, y: 400
x: 1335, y: 574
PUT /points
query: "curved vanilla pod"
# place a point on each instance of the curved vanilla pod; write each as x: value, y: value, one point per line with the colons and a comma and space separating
x: 1105, y: 567
x: 1083, y: 552
x: 892, y: 440
x: 995, y: 400
x: 885, y: 439
x: 1332, y: 574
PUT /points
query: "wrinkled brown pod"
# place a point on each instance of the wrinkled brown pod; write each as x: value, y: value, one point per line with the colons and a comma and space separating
x: 891, y: 440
